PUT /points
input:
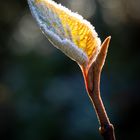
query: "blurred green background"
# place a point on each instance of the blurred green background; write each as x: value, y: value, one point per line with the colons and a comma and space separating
x: 42, y: 93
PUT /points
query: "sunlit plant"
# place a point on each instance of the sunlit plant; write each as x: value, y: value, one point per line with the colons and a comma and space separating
x: 77, y: 38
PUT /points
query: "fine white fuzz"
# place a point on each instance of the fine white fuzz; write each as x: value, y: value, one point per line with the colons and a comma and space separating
x: 53, y: 28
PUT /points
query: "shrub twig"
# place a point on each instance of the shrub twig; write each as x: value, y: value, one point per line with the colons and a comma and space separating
x: 92, y: 82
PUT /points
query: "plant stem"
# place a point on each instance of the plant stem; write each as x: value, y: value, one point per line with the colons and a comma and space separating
x: 95, y: 97
x: 106, y: 129
x: 92, y: 81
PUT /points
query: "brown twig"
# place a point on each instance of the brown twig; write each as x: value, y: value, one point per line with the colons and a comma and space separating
x: 92, y: 81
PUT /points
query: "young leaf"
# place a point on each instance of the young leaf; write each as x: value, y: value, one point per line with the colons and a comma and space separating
x: 68, y: 31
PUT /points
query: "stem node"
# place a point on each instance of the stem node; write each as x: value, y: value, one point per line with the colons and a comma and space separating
x: 107, y: 131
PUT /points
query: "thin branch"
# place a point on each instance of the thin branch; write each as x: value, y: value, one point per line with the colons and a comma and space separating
x: 92, y: 81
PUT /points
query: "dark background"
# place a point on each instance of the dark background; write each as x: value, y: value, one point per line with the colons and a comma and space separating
x: 42, y: 93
